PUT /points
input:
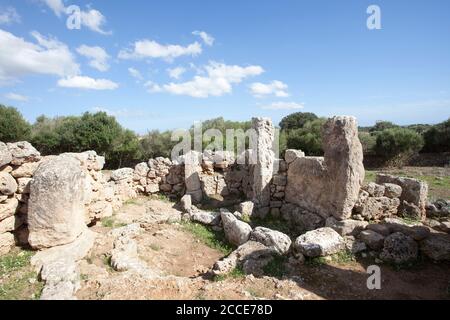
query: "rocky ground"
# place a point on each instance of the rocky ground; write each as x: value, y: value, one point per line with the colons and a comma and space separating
x: 175, y: 258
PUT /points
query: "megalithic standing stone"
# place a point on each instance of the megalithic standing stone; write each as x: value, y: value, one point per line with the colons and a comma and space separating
x: 263, y: 169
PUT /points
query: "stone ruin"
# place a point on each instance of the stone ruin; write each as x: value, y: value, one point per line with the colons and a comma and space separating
x: 48, y: 203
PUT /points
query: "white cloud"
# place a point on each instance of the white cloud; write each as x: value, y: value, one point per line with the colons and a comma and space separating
x: 92, y: 19
x: 9, y: 15
x: 19, y: 57
x: 218, y: 81
x: 135, y: 73
x: 275, y: 87
x: 121, y: 113
x: 283, y: 106
x: 152, y: 87
x: 57, y: 6
x: 97, y: 55
x: 207, y: 38
x: 151, y: 49
x: 82, y: 82
x: 16, y: 97
x: 176, y: 72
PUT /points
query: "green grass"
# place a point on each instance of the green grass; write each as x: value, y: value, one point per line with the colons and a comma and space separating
x: 15, y: 275
x: 342, y: 257
x: 155, y: 247
x: 14, y: 261
x: 110, y: 222
x: 160, y: 197
x: 276, y: 267
x: 213, y: 239
x: 236, y: 273
x: 131, y: 201
x: 271, y: 223
x: 370, y: 176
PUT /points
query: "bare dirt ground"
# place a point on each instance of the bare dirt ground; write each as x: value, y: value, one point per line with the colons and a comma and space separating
x: 183, y: 260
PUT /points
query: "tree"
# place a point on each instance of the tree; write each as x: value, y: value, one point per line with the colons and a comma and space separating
x: 398, y: 144
x: 13, y: 127
x: 157, y: 144
x: 308, y: 138
x: 297, y: 120
x: 437, y: 138
x: 382, y: 125
x: 368, y: 142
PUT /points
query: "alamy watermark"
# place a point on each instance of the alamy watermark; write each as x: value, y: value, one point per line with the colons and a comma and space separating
x: 374, y: 20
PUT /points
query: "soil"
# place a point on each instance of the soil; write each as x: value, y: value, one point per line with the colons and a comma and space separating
x: 184, y: 262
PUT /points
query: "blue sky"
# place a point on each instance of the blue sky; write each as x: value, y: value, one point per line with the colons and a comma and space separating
x: 249, y: 58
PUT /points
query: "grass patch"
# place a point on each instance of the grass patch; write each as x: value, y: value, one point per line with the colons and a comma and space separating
x: 342, y: 257
x: 271, y: 223
x: 276, y: 267
x: 110, y: 222
x: 370, y: 176
x: 131, y: 201
x: 213, y: 239
x: 410, y: 221
x: 315, y: 262
x: 155, y: 247
x: 236, y: 273
x: 160, y: 197
x: 15, y: 275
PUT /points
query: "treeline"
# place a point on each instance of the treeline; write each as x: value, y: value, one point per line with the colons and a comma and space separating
x: 122, y: 147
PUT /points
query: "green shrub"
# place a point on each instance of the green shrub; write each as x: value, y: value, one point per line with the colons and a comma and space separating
x: 13, y: 127
x: 398, y: 144
x: 437, y: 138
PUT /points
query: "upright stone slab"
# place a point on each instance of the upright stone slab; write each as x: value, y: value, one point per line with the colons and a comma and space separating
x: 56, y: 208
x: 192, y: 170
x: 265, y: 158
x: 329, y: 185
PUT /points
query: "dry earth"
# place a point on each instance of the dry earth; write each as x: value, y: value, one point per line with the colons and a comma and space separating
x: 183, y: 260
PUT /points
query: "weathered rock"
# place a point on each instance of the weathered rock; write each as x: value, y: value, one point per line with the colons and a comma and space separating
x: 62, y: 280
x: 380, y: 228
x: 186, y: 203
x: 192, y: 170
x: 252, y: 256
x: 23, y: 152
x: 263, y: 169
x: 399, y: 248
x: 140, y: 170
x: 346, y: 227
x: 377, y: 208
x: 392, y: 190
x: 413, y: 191
x: 207, y: 218
x: 122, y: 174
x: 436, y: 246
x: 353, y: 245
x: 76, y: 250
x: 237, y: 232
x: 8, y: 185
x: 372, y: 239
x: 246, y: 208
x: 152, y: 188
x: 329, y: 185
x: 12, y: 223
x: 23, y: 185
x: 417, y: 232
x: 272, y: 238
x: 303, y: 220
x: 291, y: 154
x: 5, y: 155
x: 374, y: 190
x: 319, y: 242
x: 6, y: 242
x: 8, y: 208
x: 56, y: 209
x: 410, y: 210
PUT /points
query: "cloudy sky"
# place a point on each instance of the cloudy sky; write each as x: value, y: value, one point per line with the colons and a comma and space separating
x: 166, y: 64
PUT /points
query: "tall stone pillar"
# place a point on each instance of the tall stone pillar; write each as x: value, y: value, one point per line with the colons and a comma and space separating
x: 192, y: 170
x: 263, y: 169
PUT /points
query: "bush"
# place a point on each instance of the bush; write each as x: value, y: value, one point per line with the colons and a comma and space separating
x: 13, y: 127
x: 398, y: 144
x: 382, y: 125
x: 368, y: 142
x: 308, y: 138
x: 297, y: 120
x: 437, y: 138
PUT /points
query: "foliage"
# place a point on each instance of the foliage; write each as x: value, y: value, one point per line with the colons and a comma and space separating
x: 437, y: 138
x: 275, y: 267
x: 382, y: 125
x: 13, y: 127
x: 308, y: 138
x: 368, y: 142
x: 297, y: 120
x: 236, y: 273
x: 398, y: 143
